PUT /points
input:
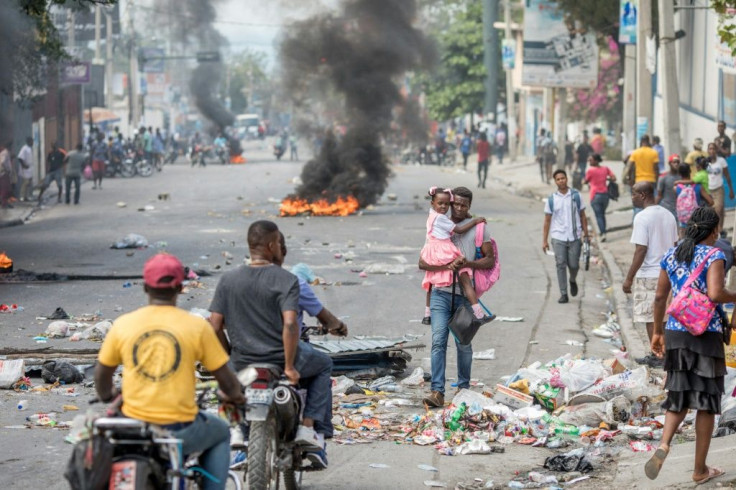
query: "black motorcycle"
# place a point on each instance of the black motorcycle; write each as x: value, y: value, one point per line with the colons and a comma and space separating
x: 279, y: 150
x: 272, y: 411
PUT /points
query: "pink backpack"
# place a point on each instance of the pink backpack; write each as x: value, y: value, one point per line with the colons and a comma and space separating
x: 485, y: 278
x: 687, y: 203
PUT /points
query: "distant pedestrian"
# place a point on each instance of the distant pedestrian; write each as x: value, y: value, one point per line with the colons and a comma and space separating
x: 644, y: 164
x: 465, y: 146
x: 717, y: 172
x: 546, y: 155
x: 598, y: 141
x: 293, y: 148
x: 26, y: 165
x: 484, y: 155
x: 54, y: 169
x: 666, y: 196
x: 701, y: 174
x: 583, y: 152
x: 100, y: 154
x: 690, y: 195
x: 694, y: 154
x: 566, y: 224
x: 657, y: 146
x: 6, y: 171
x: 695, y: 364
x: 500, y: 145
x: 655, y: 232
x: 569, y: 154
x: 597, y: 177
x: 723, y: 142
x: 75, y: 161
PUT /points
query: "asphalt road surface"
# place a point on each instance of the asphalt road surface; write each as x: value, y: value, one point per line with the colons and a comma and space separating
x: 204, y: 222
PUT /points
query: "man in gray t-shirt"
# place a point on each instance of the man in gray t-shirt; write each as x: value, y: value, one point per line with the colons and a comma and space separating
x: 666, y: 195
x: 257, y: 305
x: 74, y: 164
x: 440, y: 302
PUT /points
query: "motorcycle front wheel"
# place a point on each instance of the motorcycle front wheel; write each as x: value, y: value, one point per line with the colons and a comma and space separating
x: 144, y: 168
x: 127, y: 168
x: 262, y: 453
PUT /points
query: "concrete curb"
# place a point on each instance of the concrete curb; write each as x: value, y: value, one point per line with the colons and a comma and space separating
x: 635, y: 344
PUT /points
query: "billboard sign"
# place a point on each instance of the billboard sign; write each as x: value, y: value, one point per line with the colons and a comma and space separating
x: 556, y: 55
x: 75, y: 73
x: 508, y: 54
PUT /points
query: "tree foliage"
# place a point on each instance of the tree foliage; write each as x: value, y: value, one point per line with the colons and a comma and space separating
x: 726, y: 10
x: 457, y: 86
x: 29, y: 40
x: 247, y: 77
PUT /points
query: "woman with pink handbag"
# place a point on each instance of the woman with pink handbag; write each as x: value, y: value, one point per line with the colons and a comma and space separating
x: 692, y: 339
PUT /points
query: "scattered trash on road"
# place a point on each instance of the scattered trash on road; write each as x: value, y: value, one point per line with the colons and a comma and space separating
x: 485, y: 355
x: 61, y: 371
x: 131, y: 240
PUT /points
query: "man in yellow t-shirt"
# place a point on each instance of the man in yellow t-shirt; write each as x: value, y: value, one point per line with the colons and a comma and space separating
x: 158, y: 346
x: 646, y: 162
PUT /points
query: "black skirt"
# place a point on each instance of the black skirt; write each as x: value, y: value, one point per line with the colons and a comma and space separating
x: 695, y: 368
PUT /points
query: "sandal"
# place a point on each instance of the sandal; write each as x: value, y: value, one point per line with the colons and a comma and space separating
x: 712, y: 473
x: 651, y: 469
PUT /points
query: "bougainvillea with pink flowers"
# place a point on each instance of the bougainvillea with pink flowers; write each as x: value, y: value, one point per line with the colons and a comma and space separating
x: 604, y: 100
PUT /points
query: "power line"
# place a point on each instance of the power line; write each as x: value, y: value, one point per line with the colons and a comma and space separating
x: 189, y: 16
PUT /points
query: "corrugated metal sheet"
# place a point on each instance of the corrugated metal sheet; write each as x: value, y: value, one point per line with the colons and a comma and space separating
x: 340, y: 346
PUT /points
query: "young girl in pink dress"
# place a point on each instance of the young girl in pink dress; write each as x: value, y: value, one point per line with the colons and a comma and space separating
x: 440, y: 251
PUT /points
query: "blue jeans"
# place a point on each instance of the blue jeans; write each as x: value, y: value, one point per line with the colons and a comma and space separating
x: 209, y: 435
x: 599, y: 205
x: 440, y: 303
x: 314, y: 369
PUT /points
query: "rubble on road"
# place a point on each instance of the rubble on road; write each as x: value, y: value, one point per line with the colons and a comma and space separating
x: 595, y: 405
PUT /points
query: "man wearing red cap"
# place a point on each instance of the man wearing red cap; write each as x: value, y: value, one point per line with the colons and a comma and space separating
x: 666, y: 195
x: 158, y: 346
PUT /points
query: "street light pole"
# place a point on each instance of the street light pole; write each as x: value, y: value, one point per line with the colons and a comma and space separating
x: 490, y: 58
x: 510, y: 102
x: 670, y: 93
x: 643, y: 77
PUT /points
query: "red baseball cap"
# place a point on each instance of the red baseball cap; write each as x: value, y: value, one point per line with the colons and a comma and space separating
x: 673, y: 157
x: 163, y: 271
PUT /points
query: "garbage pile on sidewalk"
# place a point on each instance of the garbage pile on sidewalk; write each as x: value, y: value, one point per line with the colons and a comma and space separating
x: 598, y: 404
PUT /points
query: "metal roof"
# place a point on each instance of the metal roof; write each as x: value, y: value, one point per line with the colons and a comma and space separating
x: 360, y: 345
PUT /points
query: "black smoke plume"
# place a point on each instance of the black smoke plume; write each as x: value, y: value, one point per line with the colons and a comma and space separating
x: 196, y: 24
x: 360, y: 53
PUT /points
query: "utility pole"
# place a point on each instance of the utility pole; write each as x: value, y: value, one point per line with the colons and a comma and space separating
x: 629, y: 126
x: 510, y: 102
x: 490, y: 58
x: 643, y: 77
x: 133, y: 76
x: 108, y: 60
x: 98, y: 27
x: 561, y: 127
x: 670, y: 93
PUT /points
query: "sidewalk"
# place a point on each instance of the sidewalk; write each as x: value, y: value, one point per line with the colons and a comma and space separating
x: 523, y: 178
x: 24, y: 211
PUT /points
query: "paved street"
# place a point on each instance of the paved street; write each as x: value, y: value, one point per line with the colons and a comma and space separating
x: 205, y: 219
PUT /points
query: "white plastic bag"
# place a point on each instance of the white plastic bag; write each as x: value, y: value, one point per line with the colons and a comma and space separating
x: 631, y: 384
x: 580, y: 374
x: 10, y: 372
x: 616, y: 410
x: 58, y: 329
x: 341, y: 384
x: 415, y: 379
x: 476, y: 402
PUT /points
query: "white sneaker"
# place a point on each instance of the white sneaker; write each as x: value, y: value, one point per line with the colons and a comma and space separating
x: 306, y: 436
x: 237, y: 440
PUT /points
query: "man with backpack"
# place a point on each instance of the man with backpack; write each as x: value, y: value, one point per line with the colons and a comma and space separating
x: 655, y: 232
x: 690, y: 195
x: 565, y: 222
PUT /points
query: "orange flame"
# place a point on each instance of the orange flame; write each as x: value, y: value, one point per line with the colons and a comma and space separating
x: 322, y: 207
x: 5, y: 261
x: 237, y: 159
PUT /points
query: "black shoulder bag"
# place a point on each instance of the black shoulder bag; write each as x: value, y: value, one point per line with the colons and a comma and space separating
x: 463, y: 323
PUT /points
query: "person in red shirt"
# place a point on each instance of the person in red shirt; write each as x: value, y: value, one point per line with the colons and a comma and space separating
x: 597, y: 178
x: 484, y: 153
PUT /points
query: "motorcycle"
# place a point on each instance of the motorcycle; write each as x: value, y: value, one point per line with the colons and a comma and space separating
x: 118, y: 166
x: 278, y: 151
x: 198, y: 154
x: 222, y: 155
x: 272, y: 410
x: 136, y: 163
x: 144, y: 456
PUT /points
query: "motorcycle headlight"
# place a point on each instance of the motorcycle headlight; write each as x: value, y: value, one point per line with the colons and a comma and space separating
x: 247, y: 376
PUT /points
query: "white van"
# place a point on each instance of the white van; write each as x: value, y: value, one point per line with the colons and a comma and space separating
x: 247, y: 126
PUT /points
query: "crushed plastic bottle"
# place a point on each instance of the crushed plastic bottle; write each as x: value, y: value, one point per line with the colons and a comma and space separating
x: 454, y: 422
